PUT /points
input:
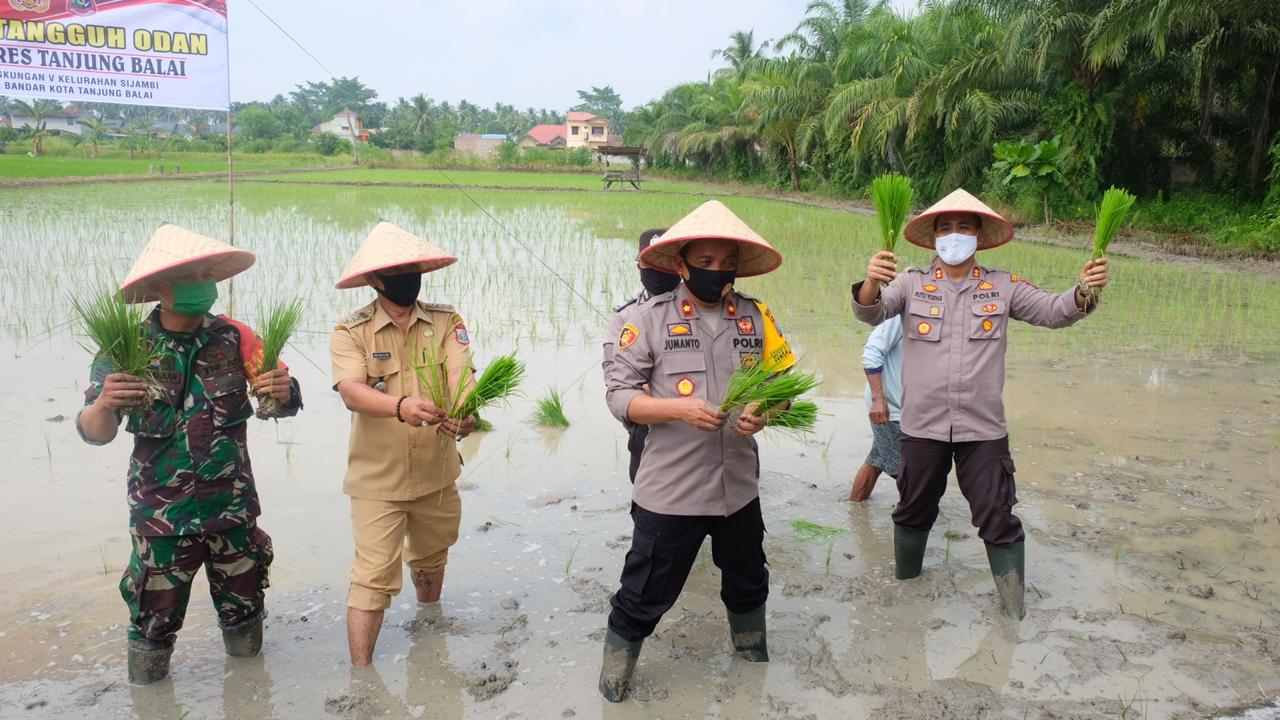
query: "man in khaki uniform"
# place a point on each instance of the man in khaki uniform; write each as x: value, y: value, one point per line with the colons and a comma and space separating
x: 956, y: 317
x: 696, y: 477
x: 403, y: 459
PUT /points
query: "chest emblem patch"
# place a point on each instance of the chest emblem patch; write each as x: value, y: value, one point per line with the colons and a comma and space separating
x: 924, y: 328
x: 929, y: 288
x: 685, y: 387
x: 678, y: 329
x: 990, y: 308
x: 987, y: 325
x: 746, y: 326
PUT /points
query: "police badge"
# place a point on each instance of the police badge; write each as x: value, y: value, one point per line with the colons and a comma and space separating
x: 82, y: 7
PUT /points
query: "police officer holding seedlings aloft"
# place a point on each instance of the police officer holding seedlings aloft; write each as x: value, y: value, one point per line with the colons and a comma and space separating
x: 655, y: 282
x: 955, y: 315
x: 698, y: 474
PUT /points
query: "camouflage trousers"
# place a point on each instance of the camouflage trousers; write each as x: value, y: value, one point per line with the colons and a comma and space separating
x: 157, y: 584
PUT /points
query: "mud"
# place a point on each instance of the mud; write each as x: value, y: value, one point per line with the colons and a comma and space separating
x: 1152, y: 513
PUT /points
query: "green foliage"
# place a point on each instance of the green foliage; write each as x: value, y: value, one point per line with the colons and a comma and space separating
x: 328, y: 144
x: 891, y: 194
x: 549, y: 412
x: 498, y: 382
x: 809, y: 531
x: 800, y: 418
x: 1036, y: 164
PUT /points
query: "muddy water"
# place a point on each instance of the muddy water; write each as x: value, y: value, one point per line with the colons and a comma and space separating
x: 1147, y: 482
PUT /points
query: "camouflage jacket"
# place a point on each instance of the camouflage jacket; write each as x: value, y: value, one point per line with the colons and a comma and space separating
x: 190, y: 473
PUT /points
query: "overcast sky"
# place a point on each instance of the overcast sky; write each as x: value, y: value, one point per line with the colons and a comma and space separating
x: 523, y: 52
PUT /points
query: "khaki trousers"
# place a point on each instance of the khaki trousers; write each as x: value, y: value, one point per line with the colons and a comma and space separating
x: 421, y: 531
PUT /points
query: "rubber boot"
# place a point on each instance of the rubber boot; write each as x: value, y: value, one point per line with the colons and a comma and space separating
x: 908, y: 551
x: 617, y: 666
x: 148, y: 662
x: 1008, y: 568
x: 428, y: 584
x: 750, y: 636
x: 244, y: 639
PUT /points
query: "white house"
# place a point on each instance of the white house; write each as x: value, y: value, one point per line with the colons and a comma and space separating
x: 346, y: 125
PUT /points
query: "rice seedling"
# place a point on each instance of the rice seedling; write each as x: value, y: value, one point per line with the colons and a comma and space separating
x: 1115, y: 207
x: 800, y: 418
x: 276, y: 324
x: 119, y: 332
x: 808, y: 531
x: 764, y: 389
x: 891, y: 194
x: 102, y: 555
x: 568, y: 564
x: 497, y: 382
x: 549, y: 412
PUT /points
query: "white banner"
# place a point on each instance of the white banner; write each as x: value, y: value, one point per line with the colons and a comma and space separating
x: 170, y: 53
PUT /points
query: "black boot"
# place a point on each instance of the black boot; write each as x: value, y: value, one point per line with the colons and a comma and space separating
x: 148, y: 661
x: 908, y: 551
x: 617, y: 666
x: 245, y: 638
x: 750, y: 636
x: 1008, y: 568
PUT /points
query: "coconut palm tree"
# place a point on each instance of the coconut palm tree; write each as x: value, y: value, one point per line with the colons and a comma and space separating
x: 740, y: 53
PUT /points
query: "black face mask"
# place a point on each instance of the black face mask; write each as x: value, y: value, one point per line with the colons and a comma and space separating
x: 657, y: 282
x: 401, y: 289
x: 708, y: 285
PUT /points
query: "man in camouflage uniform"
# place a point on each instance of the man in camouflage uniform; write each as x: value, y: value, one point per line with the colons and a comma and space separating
x: 192, y: 499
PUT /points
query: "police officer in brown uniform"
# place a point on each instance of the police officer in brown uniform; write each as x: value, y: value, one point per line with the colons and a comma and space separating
x: 403, y: 457
x: 654, y: 282
x: 698, y: 474
x: 955, y: 316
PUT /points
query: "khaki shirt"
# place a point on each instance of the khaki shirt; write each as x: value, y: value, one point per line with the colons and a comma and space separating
x: 388, y: 459
x: 954, y: 345
x: 667, y: 345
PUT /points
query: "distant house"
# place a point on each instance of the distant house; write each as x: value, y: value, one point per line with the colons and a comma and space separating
x: 479, y: 145
x: 346, y: 125
x: 65, y: 120
x: 551, y: 137
x: 583, y: 129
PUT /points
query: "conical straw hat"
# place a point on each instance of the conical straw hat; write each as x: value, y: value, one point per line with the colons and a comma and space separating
x: 175, y: 254
x: 712, y: 220
x: 995, y: 230
x: 390, y: 247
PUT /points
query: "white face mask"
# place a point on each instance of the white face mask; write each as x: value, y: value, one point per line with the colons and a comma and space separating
x: 955, y: 248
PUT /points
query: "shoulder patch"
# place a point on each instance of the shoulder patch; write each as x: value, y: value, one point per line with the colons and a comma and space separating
x: 359, y: 317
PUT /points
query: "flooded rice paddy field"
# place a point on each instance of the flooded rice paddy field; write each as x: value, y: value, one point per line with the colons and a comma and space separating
x: 1147, y: 441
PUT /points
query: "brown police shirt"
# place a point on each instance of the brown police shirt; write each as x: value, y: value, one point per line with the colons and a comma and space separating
x: 954, y: 345
x: 672, y: 346
x: 388, y: 459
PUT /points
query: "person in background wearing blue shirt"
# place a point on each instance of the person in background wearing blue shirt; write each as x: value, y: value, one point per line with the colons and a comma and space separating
x: 882, y: 362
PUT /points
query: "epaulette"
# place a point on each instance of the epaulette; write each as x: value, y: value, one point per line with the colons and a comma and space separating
x: 914, y: 269
x: 438, y: 307
x: 626, y: 304
x: 655, y: 301
x: 745, y: 296
x: 359, y: 317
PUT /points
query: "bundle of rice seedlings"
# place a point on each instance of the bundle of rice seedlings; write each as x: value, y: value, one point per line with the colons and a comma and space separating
x: 768, y: 391
x: 119, y: 332
x: 800, y: 418
x: 807, y: 531
x: 276, y: 325
x: 550, y: 411
x: 1115, y: 207
x: 496, y: 383
x: 891, y: 194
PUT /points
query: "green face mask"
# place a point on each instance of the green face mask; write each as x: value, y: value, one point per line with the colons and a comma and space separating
x: 194, y: 298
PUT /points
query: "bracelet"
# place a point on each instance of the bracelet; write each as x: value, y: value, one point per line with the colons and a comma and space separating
x: 401, y: 400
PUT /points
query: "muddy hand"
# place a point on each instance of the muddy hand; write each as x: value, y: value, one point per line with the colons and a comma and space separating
x: 882, y: 268
x: 749, y: 424
x: 879, y: 411
x: 275, y: 384
x: 1095, y: 273
x: 458, y: 428
x: 122, y: 391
